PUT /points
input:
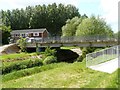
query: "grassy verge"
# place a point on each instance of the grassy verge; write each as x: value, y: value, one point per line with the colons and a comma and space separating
x: 13, y: 56
x: 74, y: 75
x: 30, y: 71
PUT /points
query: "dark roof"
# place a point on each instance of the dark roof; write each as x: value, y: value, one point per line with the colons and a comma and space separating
x: 29, y: 30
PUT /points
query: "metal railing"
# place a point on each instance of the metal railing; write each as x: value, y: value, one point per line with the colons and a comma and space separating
x: 75, y: 39
x: 102, y: 56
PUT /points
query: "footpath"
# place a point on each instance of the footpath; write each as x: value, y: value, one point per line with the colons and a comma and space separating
x: 108, y: 67
x: 7, y: 49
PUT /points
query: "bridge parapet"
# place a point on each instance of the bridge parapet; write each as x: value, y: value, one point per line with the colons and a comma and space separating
x: 76, y: 39
x: 85, y: 41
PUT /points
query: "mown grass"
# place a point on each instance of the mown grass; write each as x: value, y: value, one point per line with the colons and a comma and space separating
x: 73, y: 75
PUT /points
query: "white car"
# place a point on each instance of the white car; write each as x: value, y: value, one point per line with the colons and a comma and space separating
x: 30, y: 40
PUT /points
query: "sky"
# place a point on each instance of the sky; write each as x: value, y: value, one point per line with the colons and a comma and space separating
x: 107, y: 9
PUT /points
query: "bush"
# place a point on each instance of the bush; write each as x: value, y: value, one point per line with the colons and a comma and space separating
x: 50, y: 59
x: 84, y: 52
x: 22, y: 44
x: 50, y: 52
x: 21, y: 65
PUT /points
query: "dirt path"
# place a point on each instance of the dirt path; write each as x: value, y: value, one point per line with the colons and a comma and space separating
x: 108, y: 67
x: 10, y: 48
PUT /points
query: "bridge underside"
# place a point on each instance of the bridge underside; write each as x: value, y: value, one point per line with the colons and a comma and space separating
x: 80, y: 44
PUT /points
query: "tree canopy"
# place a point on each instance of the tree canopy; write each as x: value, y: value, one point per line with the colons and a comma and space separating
x: 71, y: 25
x: 5, y: 34
x: 94, y: 26
x: 51, y: 16
x: 84, y: 26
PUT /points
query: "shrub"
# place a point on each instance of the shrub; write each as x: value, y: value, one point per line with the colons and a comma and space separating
x: 50, y: 59
x: 84, y: 52
x: 21, y: 65
x: 50, y: 52
x: 22, y: 44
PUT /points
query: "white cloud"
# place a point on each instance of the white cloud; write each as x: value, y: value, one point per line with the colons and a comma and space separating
x: 110, y: 12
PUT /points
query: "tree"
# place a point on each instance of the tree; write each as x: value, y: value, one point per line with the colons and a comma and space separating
x: 51, y: 16
x: 69, y: 29
x: 71, y: 25
x: 117, y: 35
x: 5, y: 34
x: 94, y: 27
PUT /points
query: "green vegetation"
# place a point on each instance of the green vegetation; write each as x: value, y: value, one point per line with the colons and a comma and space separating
x: 69, y: 47
x: 30, y: 71
x: 71, y: 25
x: 50, y: 52
x: 5, y: 33
x: 94, y: 26
x: 15, y: 56
x: 21, y: 65
x: 21, y: 73
x: 74, y: 75
x: 50, y: 59
x: 22, y: 44
x: 52, y: 16
x: 87, y: 28
x: 15, y: 62
x: 117, y: 35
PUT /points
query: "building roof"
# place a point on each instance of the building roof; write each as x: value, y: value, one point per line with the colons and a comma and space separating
x: 29, y: 30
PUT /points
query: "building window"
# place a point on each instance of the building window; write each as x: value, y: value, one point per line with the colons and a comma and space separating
x: 17, y: 35
x: 22, y: 34
x: 40, y: 34
x: 36, y: 34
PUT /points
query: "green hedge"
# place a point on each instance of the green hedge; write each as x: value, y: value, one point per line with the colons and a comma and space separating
x: 21, y: 65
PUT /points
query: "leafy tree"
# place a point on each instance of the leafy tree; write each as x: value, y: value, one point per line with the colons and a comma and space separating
x: 5, y: 34
x: 117, y: 35
x: 69, y: 29
x: 51, y: 16
x: 71, y: 25
x: 94, y: 27
x: 22, y: 44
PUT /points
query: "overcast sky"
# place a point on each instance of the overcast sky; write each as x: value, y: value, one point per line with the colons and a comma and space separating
x: 107, y: 9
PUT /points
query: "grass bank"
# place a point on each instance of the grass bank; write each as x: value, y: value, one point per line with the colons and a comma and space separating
x: 74, y: 75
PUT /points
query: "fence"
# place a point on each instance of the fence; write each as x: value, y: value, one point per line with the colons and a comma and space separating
x: 92, y: 38
x: 102, y: 55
